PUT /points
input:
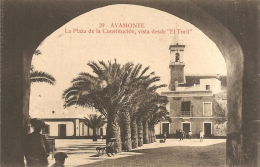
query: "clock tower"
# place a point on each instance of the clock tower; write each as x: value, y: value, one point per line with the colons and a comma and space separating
x: 176, y: 65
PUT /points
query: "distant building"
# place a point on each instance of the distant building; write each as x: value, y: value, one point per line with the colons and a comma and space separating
x: 68, y: 128
x: 196, y: 103
x: 67, y: 125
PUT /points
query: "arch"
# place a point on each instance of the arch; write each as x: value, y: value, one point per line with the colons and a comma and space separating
x: 49, y: 16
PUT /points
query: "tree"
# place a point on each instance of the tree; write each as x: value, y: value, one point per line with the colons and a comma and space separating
x: 106, y: 91
x: 158, y: 114
x: 40, y: 76
x: 138, y: 80
x: 148, y: 113
x: 95, y: 122
x: 113, y: 90
x: 144, y: 96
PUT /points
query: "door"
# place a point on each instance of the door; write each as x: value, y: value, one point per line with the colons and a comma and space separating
x: 186, y: 127
x: 62, y: 130
x: 207, y: 129
x: 165, y: 128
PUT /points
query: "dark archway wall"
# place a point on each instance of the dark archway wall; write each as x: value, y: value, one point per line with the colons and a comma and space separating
x: 232, y: 25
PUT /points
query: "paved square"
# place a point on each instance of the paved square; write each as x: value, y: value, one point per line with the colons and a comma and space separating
x: 82, y: 151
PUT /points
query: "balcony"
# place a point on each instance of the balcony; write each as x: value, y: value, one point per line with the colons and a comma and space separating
x: 186, y: 113
x: 176, y: 63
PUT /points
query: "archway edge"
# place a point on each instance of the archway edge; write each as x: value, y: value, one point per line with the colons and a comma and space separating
x: 222, y: 37
x: 210, y: 26
x: 49, y: 16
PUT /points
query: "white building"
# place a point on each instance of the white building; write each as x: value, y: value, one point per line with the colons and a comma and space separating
x: 67, y: 123
x: 69, y: 128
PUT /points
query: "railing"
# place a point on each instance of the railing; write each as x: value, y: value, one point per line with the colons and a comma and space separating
x: 176, y: 63
x: 186, y: 113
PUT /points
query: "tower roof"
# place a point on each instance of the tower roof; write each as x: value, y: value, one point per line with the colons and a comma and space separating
x: 176, y: 38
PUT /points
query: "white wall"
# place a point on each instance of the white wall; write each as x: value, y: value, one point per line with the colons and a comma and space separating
x: 83, y: 129
x: 157, y: 129
x: 54, y: 128
x: 215, y: 84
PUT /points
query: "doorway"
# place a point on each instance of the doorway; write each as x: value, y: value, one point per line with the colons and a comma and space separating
x: 186, y: 127
x: 165, y: 128
x: 207, y: 129
x: 62, y: 130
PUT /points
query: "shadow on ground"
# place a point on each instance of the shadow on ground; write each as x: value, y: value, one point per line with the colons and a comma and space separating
x: 177, y: 156
x: 80, y: 149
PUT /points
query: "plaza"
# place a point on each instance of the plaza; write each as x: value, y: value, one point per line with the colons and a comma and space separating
x: 30, y: 23
x: 82, y: 152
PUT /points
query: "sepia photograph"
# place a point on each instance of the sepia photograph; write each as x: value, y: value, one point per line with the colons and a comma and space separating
x: 118, y: 83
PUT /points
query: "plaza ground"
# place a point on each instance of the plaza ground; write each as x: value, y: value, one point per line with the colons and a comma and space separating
x: 187, y: 153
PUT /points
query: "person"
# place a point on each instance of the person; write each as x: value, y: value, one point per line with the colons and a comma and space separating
x: 181, y: 134
x: 164, y: 137
x: 36, y: 148
x: 190, y: 134
x: 59, y: 159
x: 201, y: 135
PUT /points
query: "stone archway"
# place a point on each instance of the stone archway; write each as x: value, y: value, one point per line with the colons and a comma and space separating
x: 238, y: 45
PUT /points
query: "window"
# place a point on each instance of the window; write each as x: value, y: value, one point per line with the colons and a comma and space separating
x: 207, y: 109
x: 177, y: 58
x: 185, y: 108
x: 207, y: 87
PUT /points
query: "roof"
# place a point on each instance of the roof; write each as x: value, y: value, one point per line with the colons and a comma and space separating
x: 195, y: 79
x: 187, y: 93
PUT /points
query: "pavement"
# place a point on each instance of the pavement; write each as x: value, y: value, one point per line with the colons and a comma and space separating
x: 83, y: 151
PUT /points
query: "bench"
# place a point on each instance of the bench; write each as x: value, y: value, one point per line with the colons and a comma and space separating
x: 109, y: 148
x: 162, y: 141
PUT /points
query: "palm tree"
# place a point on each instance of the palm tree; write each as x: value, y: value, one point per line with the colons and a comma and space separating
x: 95, y: 122
x: 143, y: 100
x: 159, y: 114
x: 40, y: 76
x: 137, y: 78
x: 147, y: 109
x: 109, y: 100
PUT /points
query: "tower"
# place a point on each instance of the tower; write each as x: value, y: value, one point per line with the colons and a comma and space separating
x: 176, y: 65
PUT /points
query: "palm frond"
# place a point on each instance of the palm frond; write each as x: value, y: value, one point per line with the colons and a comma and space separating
x: 39, y: 76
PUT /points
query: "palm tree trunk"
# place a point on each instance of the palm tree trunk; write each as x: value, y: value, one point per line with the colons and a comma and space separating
x: 113, y: 130
x: 153, y: 134
x: 145, y: 132
x: 140, y: 132
x: 134, y: 133
x: 150, y: 135
x: 94, y: 134
x: 126, y: 131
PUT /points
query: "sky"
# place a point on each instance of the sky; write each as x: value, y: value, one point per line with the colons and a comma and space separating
x: 66, y: 52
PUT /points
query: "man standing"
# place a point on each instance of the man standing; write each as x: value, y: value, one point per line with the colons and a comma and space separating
x: 36, y: 147
x: 190, y: 134
x: 164, y: 137
x: 201, y: 135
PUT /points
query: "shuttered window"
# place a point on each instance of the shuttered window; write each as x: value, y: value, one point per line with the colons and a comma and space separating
x: 207, y: 108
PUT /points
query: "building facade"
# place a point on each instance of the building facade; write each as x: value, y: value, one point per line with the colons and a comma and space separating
x: 196, y: 103
x: 63, y: 128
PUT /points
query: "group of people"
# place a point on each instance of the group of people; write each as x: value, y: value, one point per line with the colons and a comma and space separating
x: 182, y: 134
x: 36, y: 148
x: 188, y: 135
